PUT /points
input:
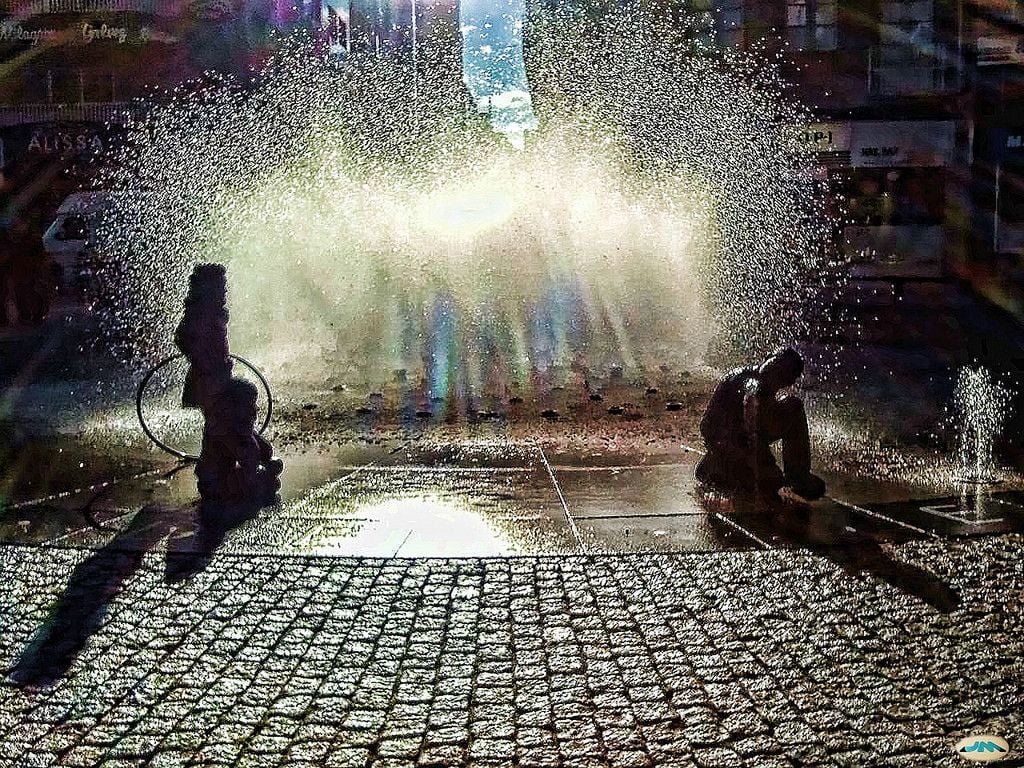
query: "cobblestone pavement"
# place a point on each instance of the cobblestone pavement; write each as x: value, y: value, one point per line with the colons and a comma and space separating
x: 752, y: 658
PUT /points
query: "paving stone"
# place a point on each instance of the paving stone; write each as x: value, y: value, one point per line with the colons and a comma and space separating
x: 631, y: 758
x: 719, y: 757
x: 405, y: 748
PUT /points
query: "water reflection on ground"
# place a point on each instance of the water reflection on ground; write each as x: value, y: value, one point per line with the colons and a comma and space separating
x: 502, y: 497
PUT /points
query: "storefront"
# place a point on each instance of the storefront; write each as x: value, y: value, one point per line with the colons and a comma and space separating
x: 48, y: 140
x: 44, y: 162
x: 891, y: 180
x: 107, y: 51
x: 1008, y: 220
x: 74, y: 70
x: 94, y: 59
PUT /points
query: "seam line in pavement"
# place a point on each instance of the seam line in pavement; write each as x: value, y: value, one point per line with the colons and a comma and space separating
x: 880, y: 516
x: 640, y: 516
x: 454, y: 468
x: 934, y: 510
x: 728, y: 520
x: 561, y: 498
x: 617, y: 468
x: 427, y: 468
x: 840, y: 502
x: 552, y: 557
x: 75, y: 491
x: 398, y: 549
x: 749, y: 534
x: 76, y: 531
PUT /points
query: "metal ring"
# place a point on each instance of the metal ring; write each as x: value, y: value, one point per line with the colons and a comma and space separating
x: 166, y: 361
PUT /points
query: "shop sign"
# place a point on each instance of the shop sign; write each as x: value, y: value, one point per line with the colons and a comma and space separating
x: 825, y: 137
x: 86, y: 32
x: 121, y: 35
x: 92, y: 33
x: 1002, y: 49
x: 150, y: 35
x: 903, y: 143
x: 11, y: 30
x: 56, y: 142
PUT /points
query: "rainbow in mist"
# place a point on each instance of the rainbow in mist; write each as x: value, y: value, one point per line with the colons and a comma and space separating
x: 372, y: 222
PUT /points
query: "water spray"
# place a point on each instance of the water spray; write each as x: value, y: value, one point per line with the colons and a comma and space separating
x: 980, y: 406
x: 369, y: 227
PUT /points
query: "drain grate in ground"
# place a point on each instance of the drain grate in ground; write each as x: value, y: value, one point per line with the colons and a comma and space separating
x: 960, y: 516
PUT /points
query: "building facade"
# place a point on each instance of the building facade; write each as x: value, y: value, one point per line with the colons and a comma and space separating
x: 920, y: 106
x: 72, y: 68
x: 996, y: 42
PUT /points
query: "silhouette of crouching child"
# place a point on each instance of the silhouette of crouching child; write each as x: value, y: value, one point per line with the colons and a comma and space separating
x: 237, y: 473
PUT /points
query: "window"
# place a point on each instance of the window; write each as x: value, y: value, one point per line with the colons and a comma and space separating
x: 907, y: 29
x: 796, y: 13
x: 811, y: 24
x: 729, y: 22
x: 898, y: 196
x: 1011, y: 191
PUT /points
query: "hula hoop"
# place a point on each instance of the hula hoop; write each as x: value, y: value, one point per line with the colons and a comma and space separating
x: 167, y: 361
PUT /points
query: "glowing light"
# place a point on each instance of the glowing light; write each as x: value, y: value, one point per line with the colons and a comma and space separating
x: 426, y: 525
x: 367, y: 229
x: 468, y: 212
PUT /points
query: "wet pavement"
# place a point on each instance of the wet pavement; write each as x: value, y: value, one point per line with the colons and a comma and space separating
x: 492, y: 499
x: 509, y: 594
x: 498, y: 498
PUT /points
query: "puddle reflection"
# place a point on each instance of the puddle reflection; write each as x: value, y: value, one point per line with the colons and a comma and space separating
x: 422, y: 526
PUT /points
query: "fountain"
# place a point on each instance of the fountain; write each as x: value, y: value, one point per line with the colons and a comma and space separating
x: 980, y: 405
x: 369, y: 226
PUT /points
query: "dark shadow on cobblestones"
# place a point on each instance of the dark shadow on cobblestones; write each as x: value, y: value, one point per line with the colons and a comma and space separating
x: 79, y: 611
x: 830, y: 534
x: 188, y: 555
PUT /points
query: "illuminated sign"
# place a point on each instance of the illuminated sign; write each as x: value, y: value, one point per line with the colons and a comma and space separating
x: 826, y: 137
x: 104, y: 32
x: 1003, y: 49
x: 56, y: 142
x: 13, y: 30
x: 902, y: 143
x: 85, y: 33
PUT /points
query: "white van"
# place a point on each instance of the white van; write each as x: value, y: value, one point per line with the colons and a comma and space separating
x: 73, y: 232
